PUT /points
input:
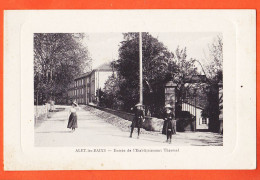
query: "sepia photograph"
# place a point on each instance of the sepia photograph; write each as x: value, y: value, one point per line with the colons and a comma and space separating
x: 128, y: 89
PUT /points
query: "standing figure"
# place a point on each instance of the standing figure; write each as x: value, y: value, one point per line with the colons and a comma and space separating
x: 73, y: 117
x: 138, y: 119
x: 168, y: 125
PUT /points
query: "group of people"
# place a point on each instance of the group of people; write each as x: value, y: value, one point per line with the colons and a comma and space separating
x: 169, y: 125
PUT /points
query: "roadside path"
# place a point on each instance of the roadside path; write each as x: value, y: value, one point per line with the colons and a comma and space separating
x: 94, y: 131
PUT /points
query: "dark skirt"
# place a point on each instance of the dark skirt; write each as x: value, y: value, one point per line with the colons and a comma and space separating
x: 168, y: 124
x: 164, y: 127
x: 137, y: 123
x: 73, y: 121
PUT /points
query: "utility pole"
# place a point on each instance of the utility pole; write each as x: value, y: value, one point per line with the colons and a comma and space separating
x: 141, y: 67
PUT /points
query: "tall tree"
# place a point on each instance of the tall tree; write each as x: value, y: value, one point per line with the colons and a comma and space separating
x: 156, y: 60
x: 215, y: 75
x: 58, y: 58
x: 111, y: 96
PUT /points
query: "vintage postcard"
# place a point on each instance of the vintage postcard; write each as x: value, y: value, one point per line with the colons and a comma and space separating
x: 129, y: 89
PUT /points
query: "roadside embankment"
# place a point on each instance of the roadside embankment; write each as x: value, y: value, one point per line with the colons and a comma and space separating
x: 117, y: 121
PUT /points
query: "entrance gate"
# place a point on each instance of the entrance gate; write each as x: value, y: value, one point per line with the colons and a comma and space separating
x: 191, y: 111
x: 188, y: 108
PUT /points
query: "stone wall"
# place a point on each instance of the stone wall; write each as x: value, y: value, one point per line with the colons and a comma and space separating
x: 150, y: 123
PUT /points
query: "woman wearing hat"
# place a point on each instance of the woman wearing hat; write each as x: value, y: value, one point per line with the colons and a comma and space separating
x: 138, y: 119
x: 168, y: 125
x: 73, y: 117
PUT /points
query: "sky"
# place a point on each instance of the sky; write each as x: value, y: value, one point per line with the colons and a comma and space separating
x: 103, y: 47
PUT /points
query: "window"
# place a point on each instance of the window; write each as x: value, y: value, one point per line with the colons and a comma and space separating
x: 204, y: 120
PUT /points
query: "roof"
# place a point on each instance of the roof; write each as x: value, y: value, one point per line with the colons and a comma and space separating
x: 198, y: 106
x: 82, y: 75
x: 102, y: 67
x: 105, y: 66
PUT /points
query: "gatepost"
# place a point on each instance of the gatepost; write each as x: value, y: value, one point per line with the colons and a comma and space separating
x: 170, y: 97
x: 170, y: 94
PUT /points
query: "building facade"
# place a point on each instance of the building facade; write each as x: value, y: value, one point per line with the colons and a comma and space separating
x: 196, y: 111
x: 84, y: 89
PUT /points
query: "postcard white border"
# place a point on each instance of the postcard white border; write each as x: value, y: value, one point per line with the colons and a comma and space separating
x: 239, y: 37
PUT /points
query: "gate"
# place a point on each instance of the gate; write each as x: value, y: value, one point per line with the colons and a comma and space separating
x: 196, y: 103
x: 190, y: 110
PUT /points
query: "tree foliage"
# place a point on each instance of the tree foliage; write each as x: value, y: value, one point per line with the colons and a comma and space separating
x: 159, y: 66
x: 157, y: 63
x: 215, y: 74
x: 109, y: 96
x: 58, y: 58
x: 215, y: 68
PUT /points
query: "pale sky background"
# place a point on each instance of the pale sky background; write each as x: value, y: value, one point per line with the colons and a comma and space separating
x: 103, y: 47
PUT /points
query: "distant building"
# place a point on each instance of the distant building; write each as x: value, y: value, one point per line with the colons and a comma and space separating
x: 196, y: 111
x: 84, y: 89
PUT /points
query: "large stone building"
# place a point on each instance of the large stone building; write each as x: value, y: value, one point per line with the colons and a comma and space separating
x: 84, y: 89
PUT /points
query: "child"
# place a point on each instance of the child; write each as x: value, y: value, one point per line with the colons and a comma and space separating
x: 168, y: 126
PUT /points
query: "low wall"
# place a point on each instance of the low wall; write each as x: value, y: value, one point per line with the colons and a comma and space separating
x: 150, y: 123
x: 121, y: 114
x: 46, y: 110
x: 40, y: 110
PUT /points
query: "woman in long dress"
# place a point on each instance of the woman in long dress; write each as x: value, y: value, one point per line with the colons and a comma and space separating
x: 72, y: 124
